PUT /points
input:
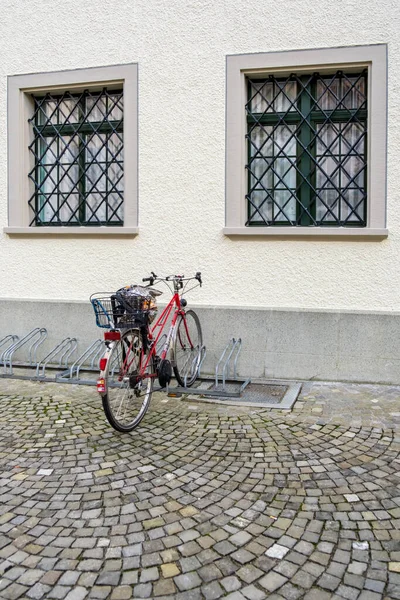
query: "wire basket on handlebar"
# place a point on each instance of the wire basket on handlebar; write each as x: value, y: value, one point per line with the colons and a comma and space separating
x: 132, y: 306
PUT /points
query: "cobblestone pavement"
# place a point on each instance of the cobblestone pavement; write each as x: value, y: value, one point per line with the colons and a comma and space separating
x: 201, y: 501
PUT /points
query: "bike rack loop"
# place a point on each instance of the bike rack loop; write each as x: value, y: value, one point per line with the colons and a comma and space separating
x: 10, y: 340
x: 63, y: 350
x: 232, y: 346
x: 37, y: 336
x: 237, y: 346
x: 91, y: 353
x: 193, y: 368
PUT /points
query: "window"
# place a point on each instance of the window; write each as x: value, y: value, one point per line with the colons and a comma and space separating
x: 306, y: 145
x: 75, y: 135
x: 78, y: 155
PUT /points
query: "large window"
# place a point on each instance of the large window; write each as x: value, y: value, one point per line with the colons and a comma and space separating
x: 73, y: 152
x: 78, y: 159
x: 306, y: 143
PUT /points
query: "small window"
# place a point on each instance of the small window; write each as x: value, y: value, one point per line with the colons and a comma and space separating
x: 73, y: 152
x: 306, y: 142
x: 78, y: 159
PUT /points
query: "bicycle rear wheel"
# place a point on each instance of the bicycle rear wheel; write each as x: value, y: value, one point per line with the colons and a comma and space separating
x: 187, y: 348
x: 127, y: 396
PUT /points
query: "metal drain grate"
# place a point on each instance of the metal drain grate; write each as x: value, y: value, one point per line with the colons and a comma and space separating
x: 281, y: 395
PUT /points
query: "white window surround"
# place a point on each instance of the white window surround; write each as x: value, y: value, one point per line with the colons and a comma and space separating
x: 20, y: 108
x: 374, y: 57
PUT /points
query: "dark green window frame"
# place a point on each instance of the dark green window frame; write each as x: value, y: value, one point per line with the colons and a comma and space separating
x: 78, y: 156
x: 336, y: 102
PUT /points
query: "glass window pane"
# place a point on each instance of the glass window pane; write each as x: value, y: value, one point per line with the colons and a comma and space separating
x: 311, y: 132
x: 48, y: 152
x: 285, y: 174
x: 341, y: 91
x: 115, y: 204
x: 261, y: 141
x: 115, y: 174
x: 69, y: 149
x: 353, y: 92
x: 49, y: 205
x: 352, y: 172
x: 96, y: 108
x: 327, y: 172
x: 352, y: 206
x: 261, y: 173
x: 115, y: 146
x: 261, y: 96
x: 285, y: 96
x: 284, y: 206
x: 68, y: 111
x: 328, y: 139
x: 49, y: 112
x: 327, y: 206
x: 95, y: 208
x: 327, y: 93
x: 68, y: 178
x: 260, y: 207
x: 353, y: 136
x: 69, y: 208
x: 115, y: 107
x: 285, y: 140
x: 96, y: 148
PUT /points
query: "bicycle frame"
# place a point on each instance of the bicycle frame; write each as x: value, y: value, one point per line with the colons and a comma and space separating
x: 154, y: 336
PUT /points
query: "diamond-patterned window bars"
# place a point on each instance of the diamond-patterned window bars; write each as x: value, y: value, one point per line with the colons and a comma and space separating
x: 307, y: 150
x: 78, y: 159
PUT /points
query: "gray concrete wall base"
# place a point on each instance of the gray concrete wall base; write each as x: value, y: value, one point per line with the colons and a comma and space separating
x: 277, y: 343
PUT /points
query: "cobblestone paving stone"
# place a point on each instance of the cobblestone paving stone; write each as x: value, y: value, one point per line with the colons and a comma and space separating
x: 202, y: 501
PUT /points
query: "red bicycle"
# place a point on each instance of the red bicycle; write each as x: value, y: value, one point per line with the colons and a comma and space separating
x: 139, y: 352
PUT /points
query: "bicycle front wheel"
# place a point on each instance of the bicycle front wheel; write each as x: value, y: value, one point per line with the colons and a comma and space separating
x: 128, y: 388
x: 188, y: 345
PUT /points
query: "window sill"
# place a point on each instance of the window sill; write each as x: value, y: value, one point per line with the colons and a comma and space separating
x: 308, y: 232
x: 72, y: 231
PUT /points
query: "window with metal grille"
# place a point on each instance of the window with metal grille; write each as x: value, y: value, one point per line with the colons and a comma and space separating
x: 78, y: 159
x: 307, y: 150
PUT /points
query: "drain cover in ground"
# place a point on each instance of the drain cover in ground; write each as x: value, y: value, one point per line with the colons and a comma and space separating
x: 268, y: 395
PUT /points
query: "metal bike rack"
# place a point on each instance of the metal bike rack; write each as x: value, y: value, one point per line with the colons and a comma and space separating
x: 58, y: 359
x: 214, y: 387
x: 63, y: 351
x: 36, y: 337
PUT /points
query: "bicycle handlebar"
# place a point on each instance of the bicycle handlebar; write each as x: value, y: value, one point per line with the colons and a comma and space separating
x: 153, y: 277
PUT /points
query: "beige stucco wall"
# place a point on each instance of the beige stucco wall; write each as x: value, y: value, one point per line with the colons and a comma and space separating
x: 180, y: 47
